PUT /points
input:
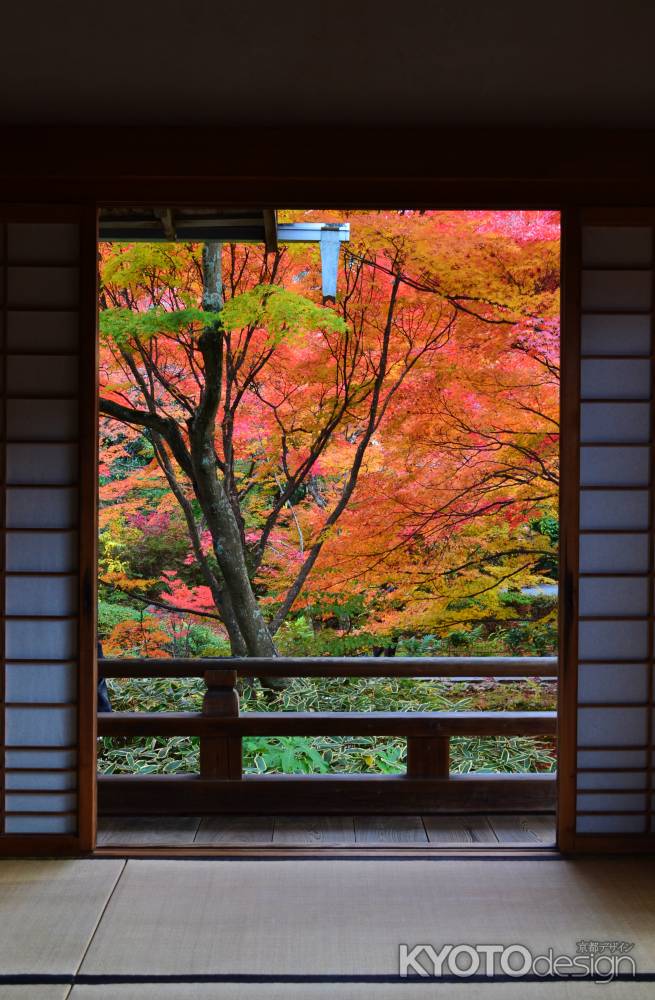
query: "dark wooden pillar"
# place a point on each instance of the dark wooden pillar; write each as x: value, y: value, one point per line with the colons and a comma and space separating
x: 428, y: 757
x: 220, y: 756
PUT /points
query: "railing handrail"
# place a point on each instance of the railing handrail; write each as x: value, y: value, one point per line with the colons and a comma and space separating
x: 337, y: 666
x: 426, y: 724
x: 221, y: 729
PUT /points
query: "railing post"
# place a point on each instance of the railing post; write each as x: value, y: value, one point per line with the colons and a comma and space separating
x: 220, y: 756
x: 428, y: 757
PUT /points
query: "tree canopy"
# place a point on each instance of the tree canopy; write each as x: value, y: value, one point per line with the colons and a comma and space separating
x: 377, y: 470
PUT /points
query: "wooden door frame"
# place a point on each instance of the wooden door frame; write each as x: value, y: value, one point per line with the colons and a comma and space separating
x: 565, y: 795
x: 88, y: 526
x: 569, y: 499
x: 452, y: 168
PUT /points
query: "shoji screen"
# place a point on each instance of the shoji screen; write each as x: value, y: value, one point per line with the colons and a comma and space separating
x: 608, y: 493
x: 47, y: 519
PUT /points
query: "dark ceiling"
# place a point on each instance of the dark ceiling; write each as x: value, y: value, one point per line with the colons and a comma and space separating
x: 322, y: 62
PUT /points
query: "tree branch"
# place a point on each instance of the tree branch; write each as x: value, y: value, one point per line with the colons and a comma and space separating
x: 164, y: 426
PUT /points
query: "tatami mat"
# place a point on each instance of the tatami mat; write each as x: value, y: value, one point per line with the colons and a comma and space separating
x: 349, y: 917
x: 35, y: 992
x: 49, y: 911
x: 314, y: 917
x: 330, y: 991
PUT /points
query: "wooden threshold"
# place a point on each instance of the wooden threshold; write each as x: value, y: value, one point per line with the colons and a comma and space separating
x: 305, y: 835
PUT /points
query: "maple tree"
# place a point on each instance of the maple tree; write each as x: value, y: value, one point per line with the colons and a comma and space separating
x: 146, y: 638
x: 387, y: 465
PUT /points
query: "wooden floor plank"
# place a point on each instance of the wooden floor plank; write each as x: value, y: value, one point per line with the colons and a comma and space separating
x: 221, y: 831
x: 390, y: 830
x: 459, y: 831
x: 313, y: 830
x: 507, y: 830
x: 147, y: 831
x: 535, y: 830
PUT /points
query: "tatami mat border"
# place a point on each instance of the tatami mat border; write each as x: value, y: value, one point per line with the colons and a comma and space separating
x: 88, y: 979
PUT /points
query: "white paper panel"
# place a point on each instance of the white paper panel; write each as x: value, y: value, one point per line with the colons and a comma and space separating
x: 604, y: 640
x: 41, y: 374
x: 615, y: 335
x: 621, y: 727
x: 613, y: 682
x: 631, y: 801
x: 41, y: 781
x: 40, y: 824
x: 613, y: 596
x: 40, y: 727
x: 45, y: 757
x: 29, y: 508
x: 620, y: 379
x: 621, y: 290
x: 41, y: 682
x: 42, y: 331
x: 41, y: 595
x: 41, y: 552
x: 41, y: 419
x: 612, y: 780
x: 614, y: 510
x: 618, y: 466
x: 42, y: 286
x: 617, y: 246
x: 50, y: 464
x: 606, y: 509
x: 50, y: 802
x: 618, y: 553
x: 607, y: 423
x: 612, y: 758
x: 34, y: 640
x: 36, y: 242
x: 610, y: 824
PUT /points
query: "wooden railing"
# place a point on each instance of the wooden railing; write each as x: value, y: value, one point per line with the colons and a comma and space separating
x: 427, y: 786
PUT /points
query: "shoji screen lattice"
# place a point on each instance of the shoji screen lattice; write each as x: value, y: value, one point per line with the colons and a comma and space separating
x: 608, y: 490
x: 48, y: 472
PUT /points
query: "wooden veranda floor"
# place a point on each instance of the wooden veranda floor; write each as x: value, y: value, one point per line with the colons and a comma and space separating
x: 508, y: 830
